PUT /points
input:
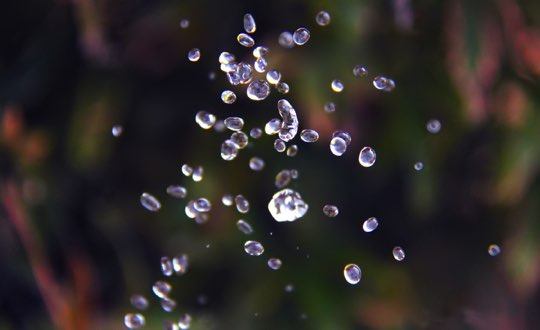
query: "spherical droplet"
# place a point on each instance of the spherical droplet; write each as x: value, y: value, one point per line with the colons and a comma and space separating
x: 166, y: 266
x: 352, y: 273
x: 180, y: 264
x: 260, y: 64
x: 184, y: 23
x: 370, y: 225
x: 287, y: 205
x: 249, y: 23
x: 322, y: 18
x: 433, y: 126
x: 161, y: 289
x: 273, y: 77
x: 202, y: 205
x: 134, y: 321
x: 289, y: 288
x: 398, y: 253
x: 282, y: 87
x: 229, y: 150
x: 383, y: 83
x: 240, y: 138
x: 301, y: 36
x: 244, y: 227
x: 309, y: 135
x: 255, y: 132
x: 418, y: 166
x: 494, y: 250
x: 274, y: 263
x: 245, y: 40
x: 194, y: 55
x: 253, y: 248
x: 282, y: 179
x: 286, y: 39
x: 228, y: 97
x: 234, y: 123
x: 367, y: 157
x: 242, y: 204
x: 337, y: 86
x: 338, y: 146
x: 227, y: 200
x: 177, y: 191
x: 256, y: 164
x: 272, y: 126
x: 330, y: 211
x: 198, y: 173
x: 117, y: 130
x: 360, y: 71
x: 139, y: 301
x: 184, y: 322
x: 344, y: 135
x: 329, y: 107
x: 258, y: 90
x: 149, y: 202
x: 205, y: 119
x: 168, y: 304
x: 187, y: 170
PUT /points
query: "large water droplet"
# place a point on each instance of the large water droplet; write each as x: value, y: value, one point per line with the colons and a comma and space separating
x: 202, y: 205
x: 249, y: 23
x: 187, y: 170
x: 245, y: 40
x: 367, y: 157
x: 352, y: 273
x: 240, y: 138
x: 166, y: 266
x: 338, y: 146
x: 289, y: 123
x: 234, y: 123
x: 260, y: 51
x: 309, y: 135
x: 273, y: 77
x: 370, y: 225
x: 229, y: 150
x: 344, y: 135
x: 226, y: 58
x: 283, y: 178
x: 272, y: 126
x: 149, y: 202
x: 258, y: 90
x: 279, y: 145
x: 253, y: 248
x: 282, y: 87
x: 287, y: 205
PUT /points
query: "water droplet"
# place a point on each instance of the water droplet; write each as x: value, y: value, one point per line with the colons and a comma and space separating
x: 344, y: 135
x: 170, y: 325
x: 180, y: 264
x: 168, y: 304
x: 337, y: 86
x: 244, y: 227
x: 494, y: 250
x: 245, y: 40
x: 289, y: 123
x: 360, y: 71
x: 139, y: 301
x: 187, y: 170
x: 201, y: 218
x: 260, y: 51
x: 282, y: 179
x: 330, y: 107
x: 255, y: 132
x: 205, y: 119
x: 198, y: 173
x: 184, y: 322
x: 286, y: 39
x: 294, y: 174
x: 177, y: 191
x: 258, y: 90
x: 418, y: 166
x: 433, y: 126
x: 279, y: 145
x: 273, y: 77
x: 184, y: 24
x: 370, y: 225
x: 338, y: 146
x: 242, y: 204
x: 301, y: 36
x: 287, y: 205
x: 352, y: 273
x: 292, y: 150
x: 309, y: 135
x: 367, y: 157
x: 234, y: 123
x: 229, y: 150
x: 117, y: 130
x: 149, y: 202
x: 249, y: 23
x: 194, y: 55
x: 256, y: 164
x: 227, y: 200
x: 398, y: 253
x: 230, y: 69
x: 228, y: 97
x: 253, y: 248
x: 272, y: 126
x: 240, y: 138
x: 134, y: 321
x: 240, y: 73
x: 260, y: 64
x: 282, y: 87
x: 202, y: 205
x: 274, y: 263
x: 166, y: 266
x: 330, y: 211
x: 161, y: 289
x: 190, y: 209
x: 226, y: 58
x: 322, y: 18
x: 383, y: 83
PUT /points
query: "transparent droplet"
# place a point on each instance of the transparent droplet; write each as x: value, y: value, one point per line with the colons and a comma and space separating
x: 245, y: 72
x: 187, y: 170
x: 244, y: 227
x: 282, y: 87
x: 360, y: 71
x: 370, y: 225
x: 272, y: 126
x: 202, y: 205
x: 184, y: 23
x: 279, y: 145
x: 249, y: 23
x: 292, y: 150
x: 256, y: 164
x: 253, y: 248
x: 260, y: 64
x: 337, y: 86
x: 184, y: 322
x: 229, y: 150
x: 228, y: 97
x: 286, y: 39
x: 170, y: 325
x: 274, y: 263
x: 117, y: 130
x: 226, y: 58
x: 258, y: 90
x: 230, y: 69
x: 330, y: 211
x: 329, y: 107
x: 352, y: 273
x: 177, y: 191
x: 166, y: 266
x: 301, y: 36
x: 418, y: 166
x: 227, y: 200
x: 494, y: 250
x: 367, y: 157
x: 309, y: 135
x: 180, y: 264
x: 190, y: 209
x: 287, y: 205
x: 240, y: 138
x: 433, y: 126
x: 134, y: 321
x: 344, y: 135
x: 245, y: 40
x: 273, y: 77
x: 384, y: 83
x: 289, y: 123
x: 205, y: 119
x: 260, y: 51
x: 198, y: 173
x: 194, y: 55
x: 168, y: 304
x: 149, y: 202
x: 338, y: 146
x: 161, y: 289
x: 139, y: 302
x: 322, y: 18
x: 283, y: 178
x: 398, y: 253
x: 255, y: 132
x: 242, y: 204
x: 234, y: 123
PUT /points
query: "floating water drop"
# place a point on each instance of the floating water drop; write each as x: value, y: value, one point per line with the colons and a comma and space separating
x: 370, y: 225
x: 180, y: 264
x: 383, y: 83
x: 352, y: 273
x: 245, y: 72
x: 227, y: 200
x: 184, y: 322
x: 337, y: 86
x: 139, y: 301
x: 202, y: 205
x: 287, y: 205
x: 309, y: 135
x: 256, y: 164
x: 330, y: 211
x: 398, y: 253
x: 201, y: 218
x: 322, y: 18
x: 177, y: 191
x: 134, y: 321
x: 249, y: 23
x: 360, y: 71
x: 228, y: 97
x: 187, y: 170
x: 168, y: 304
x: 279, y: 145
x: 338, y: 146
x: 329, y: 107
x: 282, y: 179
x: 272, y: 127
x: 205, y: 119
x: 294, y: 174
x: 245, y: 40
x: 229, y: 150
x: 286, y: 39
x: 184, y: 23
x: 289, y: 123
x: 494, y: 250
x: 190, y: 209
x: 242, y: 204
x: 253, y: 248
x: 273, y: 77
x: 117, y: 130
x: 292, y: 150
x: 260, y: 64
x: 240, y: 138
x: 282, y: 87
x: 255, y: 132
x: 166, y: 266
x: 367, y: 157
x: 194, y: 55
x: 433, y: 126
x: 226, y: 58
x: 198, y: 173
x: 418, y: 166
x: 234, y: 123
x: 301, y: 36
x: 260, y: 51
x: 244, y: 227
x: 274, y: 263
x: 149, y: 202
x: 344, y: 135
x: 161, y: 289
x: 258, y: 90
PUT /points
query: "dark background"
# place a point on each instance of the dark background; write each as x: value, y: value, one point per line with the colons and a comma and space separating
x: 75, y: 242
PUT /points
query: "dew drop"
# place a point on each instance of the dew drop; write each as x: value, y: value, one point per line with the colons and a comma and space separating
x: 274, y: 263
x: 228, y: 97
x: 398, y: 253
x: 245, y: 40
x: 273, y: 77
x: 229, y: 150
x: 433, y: 126
x: 198, y: 173
x: 287, y: 205
x: 322, y: 18
x: 180, y: 264
x: 309, y: 135
x: 253, y: 248
x: 149, y: 202
x: 360, y: 71
x: 166, y: 266
x: 242, y: 204
x: 194, y: 55
x: 255, y: 132
x: 134, y: 321
x: 177, y: 191
x: 338, y: 146
x: 117, y: 130
x: 258, y: 90
x: 367, y: 157
x: 244, y: 227
x: 337, y: 86
x: 352, y: 273
x: 161, y: 289
x: 494, y: 250
x: 279, y: 145
x: 330, y: 211
x: 256, y: 164
x: 370, y: 225
x: 184, y: 322
x: 240, y: 138
x: 301, y: 36
x: 139, y: 301
x: 234, y: 123
x: 249, y: 23
x: 286, y: 39
x: 289, y: 124
x: 205, y: 119
x: 330, y: 107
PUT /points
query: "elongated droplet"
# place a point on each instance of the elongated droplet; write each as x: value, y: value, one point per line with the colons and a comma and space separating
x: 352, y: 273
x: 166, y: 266
x: 256, y: 164
x: 177, y: 191
x: 283, y: 178
x: 287, y: 205
x: 370, y: 225
x: 398, y: 253
x: 367, y: 157
x: 309, y: 135
x: 244, y: 227
x: 245, y: 40
x: 180, y: 264
x: 240, y: 138
x: 139, y: 301
x: 249, y: 23
x: 260, y: 51
x: 226, y: 58
x: 286, y: 39
x: 194, y: 55
x: 161, y: 289
x: 198, y: 173
x: 274, y: 263
x: 260, y: 64
x: 187, y: 170
x: 383, y: 83
x: 253, y: 248
x: 134, y: 321
x: 150, y: 202
x: 494, y: 250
